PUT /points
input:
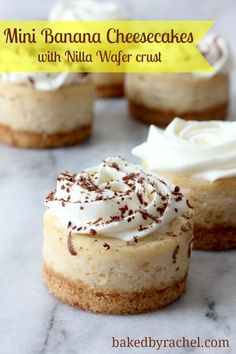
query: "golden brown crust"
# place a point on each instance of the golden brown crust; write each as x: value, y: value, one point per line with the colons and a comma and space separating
x: 217, y: 238
x: 79, y: 295
x: 115, y: 90
x: 164, y: 117
x: 28, y: 139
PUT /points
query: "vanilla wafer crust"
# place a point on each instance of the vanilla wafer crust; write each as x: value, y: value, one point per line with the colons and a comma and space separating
x: 103, y: 91
x: 163, y: 117
x: 216, y: 238
x: 26, y: 139
x: 77, y: 294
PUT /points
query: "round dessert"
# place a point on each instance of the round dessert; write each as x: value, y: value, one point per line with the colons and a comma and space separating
x: 156, y: 98
x: 117, y: 239
x: 201, y: 158
x: 107, y: 84
x: 45, y: 110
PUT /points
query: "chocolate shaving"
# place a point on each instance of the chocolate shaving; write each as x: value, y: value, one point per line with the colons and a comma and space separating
x: 130, y: 176
x: 163, y: 197
x: 176, y: 250
x: 98, y: 197
x: 70, y: 245
x: 161, y: 210
x: 178, y: 199
x: 146, y: 215
x: 115, y: 218
x: 163, y: 182
x: 96, y: 221
x: 67, y: 176
x: 87, y: 184
x: 188, y: 204
x: 105, y: 245
x: 50, y: 197
x: 123, y: 210
x: 115, y: 165
x: 142, y: 228
x: 140, y: 180
x: 140, y: 198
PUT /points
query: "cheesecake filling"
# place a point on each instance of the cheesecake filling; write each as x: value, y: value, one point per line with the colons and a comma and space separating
x: 116, y: 199
x: 112, y: 265
x: 204, y: 150
x: 28, y: 110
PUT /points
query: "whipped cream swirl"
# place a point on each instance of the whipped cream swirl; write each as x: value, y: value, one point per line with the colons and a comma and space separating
x: 217, y: 52
x: 190, y: 148
x: 116, y: 199
x: 85, y: 10
x: 43, y: 81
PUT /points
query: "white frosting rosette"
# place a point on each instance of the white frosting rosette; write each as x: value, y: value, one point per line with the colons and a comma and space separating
x: 85, y: 10
x: 116, y: 199
x: 217, y: 52
x: 191, y: 148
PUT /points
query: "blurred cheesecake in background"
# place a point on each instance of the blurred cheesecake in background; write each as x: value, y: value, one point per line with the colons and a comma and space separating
x: 117, y: 239
x: 44, y: 110
x: 107, y: 84
x: 200, y: 157
x: 156, y: 98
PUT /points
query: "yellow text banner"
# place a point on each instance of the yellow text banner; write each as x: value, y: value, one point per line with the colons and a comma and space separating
x: 102, y: 46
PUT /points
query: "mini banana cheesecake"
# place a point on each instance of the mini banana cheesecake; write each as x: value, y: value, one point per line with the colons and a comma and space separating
x: 107, y: 84
x: 117, y: 239
x: 156, y: 98
x: 45, y: 110
x: 201, y: 158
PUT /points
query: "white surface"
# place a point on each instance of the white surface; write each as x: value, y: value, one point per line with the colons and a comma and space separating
x: 32, y: 322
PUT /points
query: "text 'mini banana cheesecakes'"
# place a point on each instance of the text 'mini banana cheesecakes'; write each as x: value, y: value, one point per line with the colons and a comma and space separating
x: 156, y: 98
x: 117, y: 239
x: 201, y: 158
x: 107, y: 84
x: 44, y: 110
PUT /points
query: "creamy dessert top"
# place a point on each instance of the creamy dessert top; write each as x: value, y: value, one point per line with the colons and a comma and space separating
x: 86, y: 10
x: 217, y: 52
x: 44, y: 81
x: 204, y: 150
x: 116, y: 199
